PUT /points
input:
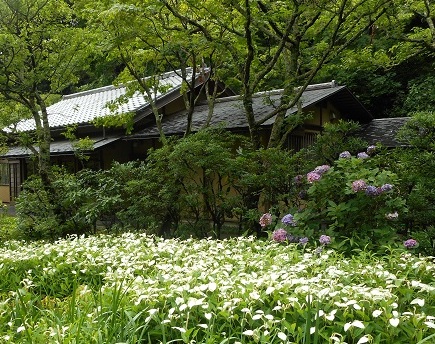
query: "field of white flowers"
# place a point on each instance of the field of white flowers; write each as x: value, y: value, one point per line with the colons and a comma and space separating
x: 135, y: 288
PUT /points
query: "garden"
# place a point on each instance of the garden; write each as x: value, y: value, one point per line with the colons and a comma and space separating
x: 137, y: 288
x: 342, y: 251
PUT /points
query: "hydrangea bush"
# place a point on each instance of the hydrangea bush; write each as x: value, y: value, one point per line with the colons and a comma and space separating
x: 353, y: 198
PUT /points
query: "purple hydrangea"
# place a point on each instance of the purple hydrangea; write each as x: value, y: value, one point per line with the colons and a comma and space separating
x: 325, y: 239
x: 386, y: 187
x: 313, y: 177
x: 292, y: 238
x: 303, y: 240
x: 359, y: 185
x: 345, y: 155
x: 321, y: 169
x: 410, y: 243
x: 371, y: 149
x: 265, y: 219
x: 372, y: 191
x: 288, y: 220
x: 279, y: 235
x: 362, y: 155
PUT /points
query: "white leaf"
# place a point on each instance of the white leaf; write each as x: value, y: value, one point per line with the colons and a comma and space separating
x: 270, y: 290
x: 394, y: 322
x: 362, y: 340
x: 419, y: 302
x: 282, y: 336
x: 376, y: 313
x: 358, y: 324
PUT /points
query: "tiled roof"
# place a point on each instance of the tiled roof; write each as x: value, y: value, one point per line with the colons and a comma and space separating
x: 229, y: 111
x: 85, y: 106
x: 383, y: 131
x: 56, y: 148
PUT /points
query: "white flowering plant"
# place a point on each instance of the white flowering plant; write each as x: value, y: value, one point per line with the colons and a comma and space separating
x: 135, y: 288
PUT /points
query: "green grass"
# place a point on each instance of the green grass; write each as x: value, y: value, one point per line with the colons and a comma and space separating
x: 140, y: 289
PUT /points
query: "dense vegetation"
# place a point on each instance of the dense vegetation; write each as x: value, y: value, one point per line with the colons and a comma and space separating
x: 142, y: 289
x: 337, y: 226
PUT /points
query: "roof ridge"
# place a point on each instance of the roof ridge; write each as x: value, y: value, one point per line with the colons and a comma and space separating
x: 162, y: 76
x: 311, y: 87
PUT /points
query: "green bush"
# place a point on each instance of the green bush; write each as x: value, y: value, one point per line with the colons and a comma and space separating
x: 354, y: 198
x: 8, y: 226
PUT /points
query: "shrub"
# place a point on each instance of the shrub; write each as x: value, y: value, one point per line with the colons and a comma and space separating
x: 352, y: 198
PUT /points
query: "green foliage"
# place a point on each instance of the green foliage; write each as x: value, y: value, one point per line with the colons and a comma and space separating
x: 421, y: 95
x: 8, y: 225
x: 335, y: 138
x: 115, y: 120
x: 335, y: 206
x: 81, y: 200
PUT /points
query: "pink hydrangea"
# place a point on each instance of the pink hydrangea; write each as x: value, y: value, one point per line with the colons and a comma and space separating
x: 265, y: 219
x: 313, y: 177
x: 359, y: 185
x: 279, y: 235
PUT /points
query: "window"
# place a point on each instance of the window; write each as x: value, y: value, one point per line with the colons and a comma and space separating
x: 4, y: 174
x: 297, y: 142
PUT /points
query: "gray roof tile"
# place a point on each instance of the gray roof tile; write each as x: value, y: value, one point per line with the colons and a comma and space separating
x: 84, y: 107
x: 383, y: 131
x: 229, y: 111
x: 56, y: 148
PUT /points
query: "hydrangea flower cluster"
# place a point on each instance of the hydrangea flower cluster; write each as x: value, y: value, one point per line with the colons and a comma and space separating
x: 303, y: 240
x: 317, y: 173
x: 345, y: 155
x: 359, y: 185
x: 265, y: 220
x: 322, y: 169
x: 279, y: 235
x: 386, y: 187
x: 288, y: 220
x: 313, y: 177
x: 362, y: 155
x: 370, y: 190
x: 410, y: 243
x: 325, y: 239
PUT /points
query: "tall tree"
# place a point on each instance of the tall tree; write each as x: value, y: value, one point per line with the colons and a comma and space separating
x: 42, y: 47
x: 148, y: 41
x: 291, y: 40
